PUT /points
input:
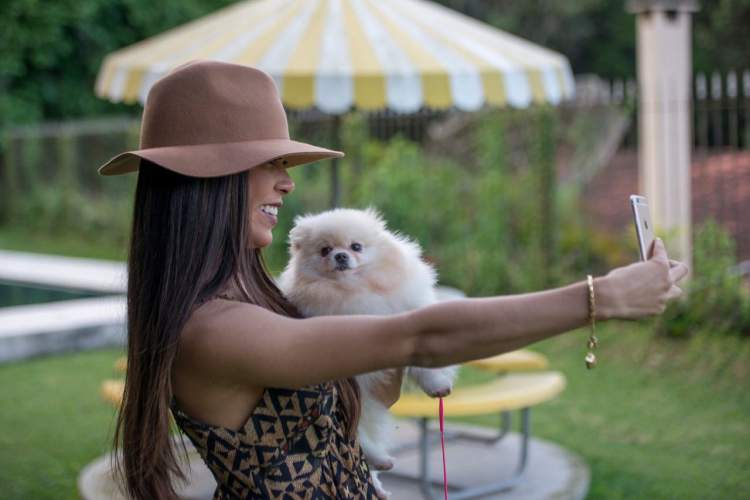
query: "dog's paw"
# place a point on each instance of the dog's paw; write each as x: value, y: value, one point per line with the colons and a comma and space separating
x: 440, y: 393
x: 380, y: 463
x: 438, y: 388
x: 381, y: 492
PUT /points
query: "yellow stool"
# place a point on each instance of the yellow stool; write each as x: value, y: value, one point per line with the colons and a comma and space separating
x: 520, y: 360
x: 111, y: 391
x: 515, y: 391
x: 121, y: 364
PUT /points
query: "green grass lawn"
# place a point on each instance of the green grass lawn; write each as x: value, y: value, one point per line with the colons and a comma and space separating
x: 53, y: 422
x: 656, y: 419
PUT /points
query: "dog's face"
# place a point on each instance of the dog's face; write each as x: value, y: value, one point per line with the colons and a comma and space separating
x: 339, y: 244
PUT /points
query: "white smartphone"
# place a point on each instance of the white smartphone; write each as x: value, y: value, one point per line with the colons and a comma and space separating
x: 643, y: 226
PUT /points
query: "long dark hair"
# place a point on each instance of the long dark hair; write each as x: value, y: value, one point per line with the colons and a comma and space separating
x: 189, y: 237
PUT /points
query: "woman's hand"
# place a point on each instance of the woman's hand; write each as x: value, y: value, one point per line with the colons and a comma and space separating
x: 640, y: 289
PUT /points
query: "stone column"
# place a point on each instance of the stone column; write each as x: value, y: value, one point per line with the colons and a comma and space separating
x: 665, y: 117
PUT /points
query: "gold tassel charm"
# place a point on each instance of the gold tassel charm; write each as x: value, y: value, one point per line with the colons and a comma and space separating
x: 590, y: 360
x: 593, y: 342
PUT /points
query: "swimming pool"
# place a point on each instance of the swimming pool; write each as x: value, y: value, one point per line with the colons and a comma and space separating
x: 54, y: 303
x: 17, y: 294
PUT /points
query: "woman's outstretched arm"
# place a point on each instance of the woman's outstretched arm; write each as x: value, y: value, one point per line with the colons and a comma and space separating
x: 461, y: 330
x: 470, y: 328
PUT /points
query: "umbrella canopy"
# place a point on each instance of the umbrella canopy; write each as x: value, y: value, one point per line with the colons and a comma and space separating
x: 339, y: 54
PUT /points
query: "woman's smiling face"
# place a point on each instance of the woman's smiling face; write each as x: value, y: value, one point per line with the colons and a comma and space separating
x: 268, y: 184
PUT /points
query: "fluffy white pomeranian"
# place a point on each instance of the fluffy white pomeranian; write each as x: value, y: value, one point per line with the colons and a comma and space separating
x: 345, y: 261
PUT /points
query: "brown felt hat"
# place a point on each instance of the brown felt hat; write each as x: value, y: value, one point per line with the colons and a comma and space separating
x: 210, y: 118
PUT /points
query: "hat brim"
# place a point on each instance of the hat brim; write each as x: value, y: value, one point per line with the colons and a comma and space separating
x: 214, y: 160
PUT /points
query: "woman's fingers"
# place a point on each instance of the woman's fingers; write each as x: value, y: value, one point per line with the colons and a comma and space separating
x: 659, y: 253
x: 677, y: 270
x: 674, y: 293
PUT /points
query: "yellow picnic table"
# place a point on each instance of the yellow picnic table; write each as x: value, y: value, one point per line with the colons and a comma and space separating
x: 518, y: 387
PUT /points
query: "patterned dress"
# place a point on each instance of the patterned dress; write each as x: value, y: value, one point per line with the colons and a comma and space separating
x: 291, y: 447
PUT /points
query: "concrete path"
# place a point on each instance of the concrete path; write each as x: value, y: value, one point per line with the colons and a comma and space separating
x: 64, y: 326
x: 64, y: 272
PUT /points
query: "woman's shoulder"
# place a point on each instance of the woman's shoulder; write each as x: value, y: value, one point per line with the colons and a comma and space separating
x: 206, y: 316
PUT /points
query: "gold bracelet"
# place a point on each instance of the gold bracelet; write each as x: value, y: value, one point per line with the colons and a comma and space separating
x: 593, y: 341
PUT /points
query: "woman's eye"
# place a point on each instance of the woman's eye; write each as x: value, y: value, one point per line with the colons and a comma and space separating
x: 356, y: 247
x: 324, y: 251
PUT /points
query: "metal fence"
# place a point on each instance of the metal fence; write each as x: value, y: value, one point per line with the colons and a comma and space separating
x: 48, y: 180
x: 721, y: 153
x: 720, y: 156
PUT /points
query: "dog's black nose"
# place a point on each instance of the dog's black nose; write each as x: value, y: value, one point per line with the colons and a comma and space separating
x: 341, y: 257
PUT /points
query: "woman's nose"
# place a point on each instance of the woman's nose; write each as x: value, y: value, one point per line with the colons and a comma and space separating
x: 285, y: 184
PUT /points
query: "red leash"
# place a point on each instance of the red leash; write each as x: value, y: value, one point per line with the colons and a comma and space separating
x: 442, y: 443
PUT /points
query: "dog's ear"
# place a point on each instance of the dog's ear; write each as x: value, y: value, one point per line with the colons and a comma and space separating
x: 299, y: 233
x: 375, y: 215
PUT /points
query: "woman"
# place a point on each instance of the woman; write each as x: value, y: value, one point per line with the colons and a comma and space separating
x: 268, y: 397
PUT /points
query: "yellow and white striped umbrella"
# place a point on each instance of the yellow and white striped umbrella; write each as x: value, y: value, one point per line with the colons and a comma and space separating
x: 339, y: 54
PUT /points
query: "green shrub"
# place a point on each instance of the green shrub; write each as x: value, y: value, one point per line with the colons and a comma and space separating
x: 482, y: 222
x: 492, y: 219
x: 417, y: 196
x: 717, y: 301
x: 50, y: 188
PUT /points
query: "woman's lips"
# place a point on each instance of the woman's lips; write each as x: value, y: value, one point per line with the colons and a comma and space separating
x: 271, y: 218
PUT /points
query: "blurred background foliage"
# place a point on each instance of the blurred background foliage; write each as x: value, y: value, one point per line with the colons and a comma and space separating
x: 718, y: 299
x: 48, y: 185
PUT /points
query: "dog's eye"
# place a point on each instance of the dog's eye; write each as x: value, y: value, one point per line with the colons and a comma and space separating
x: 356, y: 247
x: 324, y: 251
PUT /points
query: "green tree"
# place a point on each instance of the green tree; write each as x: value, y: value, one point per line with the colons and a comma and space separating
x: 720, y: 40
x: 598, y: 36
x: 51, y: 51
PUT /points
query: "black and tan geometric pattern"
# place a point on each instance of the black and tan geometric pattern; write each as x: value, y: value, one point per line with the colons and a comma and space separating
x: 291, y: 447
